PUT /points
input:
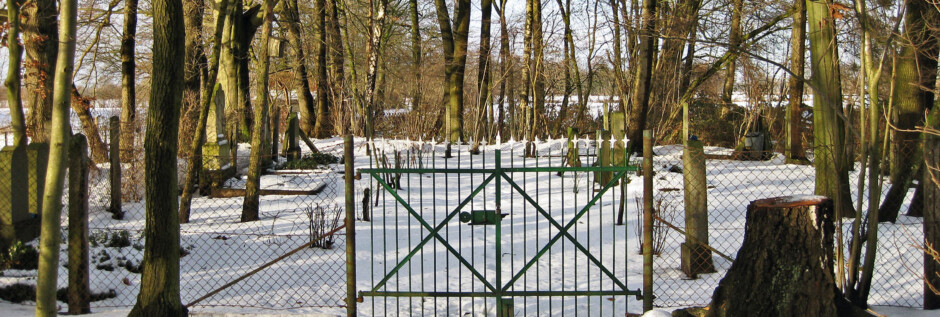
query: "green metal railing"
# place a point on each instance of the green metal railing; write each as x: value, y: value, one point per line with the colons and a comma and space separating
x: 440, y: 226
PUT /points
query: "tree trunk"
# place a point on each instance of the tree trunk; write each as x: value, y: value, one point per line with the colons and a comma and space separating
x: 193, y: 13
x: 455, y: 60
x: 526, y: 104
x: 55, y: 171
x: 456, y: 82
x: 506, y: 72
x: 734, y: 42
x: 160, y: 288
x: 12, y: 83
x: 931, y: 183
x: 324, y: 125
x: 916, y: 74
x: 483, y: 74
x: 377, y: 21
x: 305, y: 103
x: 205, y: 100
x: 78, y: 289
x: 337, y: 80
x: 128, y: 82
x: 537, y: 117
x: 784, y: 266
x: 828, y: 127
x: 794, y: 138
x: 39, y: 39
x: 641, y: 87
x: 619, y: 77
x: 253, y: 184
x: 415, y: 53
x: 570, y: 65
x: 80, y: 105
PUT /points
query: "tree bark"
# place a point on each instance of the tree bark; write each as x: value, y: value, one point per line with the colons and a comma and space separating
x: 81, y: 106
x: 931, y: 183
x: 253, y: 184
x: 455, y: 59
x: 415, y: 53
x: 336, y: 72
x: 794, y: 138
x: 376, y: 30
x: 160, y: 288
x: 39, y: 39
x: 641, y: 87
x: 205, y: 99
x: 784, y: 266
x: 12, y: 83
x: 916, y: 74
x: 305, y: 103
x: 505, y: 75
x: 828, y: 127
x: 483, y: 74
x: 55, y: 171
x: 324, y: 124
x: 128, y: 82
x: 734, y: 42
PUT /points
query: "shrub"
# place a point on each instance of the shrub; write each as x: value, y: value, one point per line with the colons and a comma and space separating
x: 20, y: 257
x: 311, y: 161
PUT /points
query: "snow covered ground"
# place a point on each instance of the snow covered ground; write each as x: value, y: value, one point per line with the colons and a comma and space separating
x: 220, y: 248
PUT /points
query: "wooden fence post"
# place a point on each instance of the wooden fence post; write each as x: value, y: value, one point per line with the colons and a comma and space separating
x: 78, y: 290
x: 350, y: 224
x: 115, y: 158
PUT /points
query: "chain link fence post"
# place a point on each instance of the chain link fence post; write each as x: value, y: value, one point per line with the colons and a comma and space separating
x: 647, y: 220
x: 350, y: 226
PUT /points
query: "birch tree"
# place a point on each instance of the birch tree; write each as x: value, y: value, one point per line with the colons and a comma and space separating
x: 55, y: 170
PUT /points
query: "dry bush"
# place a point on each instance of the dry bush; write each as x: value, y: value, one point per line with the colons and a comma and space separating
x: 664, y: 209
x: 323, y: 220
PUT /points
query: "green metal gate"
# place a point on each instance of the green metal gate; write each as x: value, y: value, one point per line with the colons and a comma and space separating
x: 496, y: 237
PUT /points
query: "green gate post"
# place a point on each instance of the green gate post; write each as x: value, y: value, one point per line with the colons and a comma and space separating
x: 647, y: 220
x: 350, y: 224
x: 500, y: 302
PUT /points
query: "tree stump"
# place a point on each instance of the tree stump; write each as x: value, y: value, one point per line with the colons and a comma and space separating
x: 785, y: 265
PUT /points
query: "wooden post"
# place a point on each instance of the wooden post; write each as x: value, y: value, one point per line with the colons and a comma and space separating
x: 114, y: 125
x: 696, y: 258
x: 647, y: 220
x: 350, y: 224
x: 78, y: 290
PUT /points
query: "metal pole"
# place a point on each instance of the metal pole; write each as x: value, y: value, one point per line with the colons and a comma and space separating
x: 500, y: 309
x: 647, y: 220
x: 350, y: 224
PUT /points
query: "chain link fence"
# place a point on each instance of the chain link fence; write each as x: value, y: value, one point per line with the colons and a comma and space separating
x: 217, y: 248
x: 304, y: 200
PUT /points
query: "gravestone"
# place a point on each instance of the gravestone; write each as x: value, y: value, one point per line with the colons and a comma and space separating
x: 37, y: 161
x: 14, y: 196
x: 696, y: 257
x: 617, y: 131
x: 291, y: 139
x: 216, y: 151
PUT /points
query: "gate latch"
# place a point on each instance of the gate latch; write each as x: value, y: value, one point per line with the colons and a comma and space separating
x: 481, y: 217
